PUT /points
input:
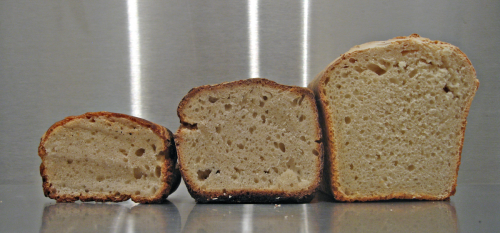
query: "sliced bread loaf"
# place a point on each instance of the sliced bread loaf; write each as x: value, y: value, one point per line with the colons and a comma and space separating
x: 104, y: 156
x: 394, y: 115
x: 249, y: 141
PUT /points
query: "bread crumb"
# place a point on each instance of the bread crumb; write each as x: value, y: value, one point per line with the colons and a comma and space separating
x: 412, y: 102
x: 402, y: 64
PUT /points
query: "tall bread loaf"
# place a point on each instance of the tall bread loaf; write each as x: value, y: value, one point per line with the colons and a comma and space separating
x: 250, y: 141
x: 103, y: 156
x: 394, y: 115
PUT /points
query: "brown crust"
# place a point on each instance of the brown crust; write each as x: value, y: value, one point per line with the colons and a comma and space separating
x: 247, y: 195
x: 330, y: 184
x: 171, y: 175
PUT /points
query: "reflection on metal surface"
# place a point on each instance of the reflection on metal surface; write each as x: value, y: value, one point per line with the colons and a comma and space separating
x: 135, y: 58
x: 324, y: 216
x: 247, y: 218
x: 305, y: 42
x: 253, y: 31
x: 112, y: 217
x: 395, y: 216
x: 305, y: 226
x: 130, y: 224
x: 252, y: 218
x: 118, y: 219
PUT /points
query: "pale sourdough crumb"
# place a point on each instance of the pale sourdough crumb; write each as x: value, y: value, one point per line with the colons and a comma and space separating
x: 249, y: 141
x: 106, y: 156
x: 394, y: 114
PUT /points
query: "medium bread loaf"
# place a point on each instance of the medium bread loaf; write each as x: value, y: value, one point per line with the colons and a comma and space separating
x: 104, y: 156
x: 249, y: 141
x: 394, y: 115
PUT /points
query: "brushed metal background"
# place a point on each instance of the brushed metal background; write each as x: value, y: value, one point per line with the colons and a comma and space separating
x: 61, y: 58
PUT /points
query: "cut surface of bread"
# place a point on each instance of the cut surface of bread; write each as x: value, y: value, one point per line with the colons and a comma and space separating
x: 249, y: 141
x: 394, y: 115
x: 104, y: 156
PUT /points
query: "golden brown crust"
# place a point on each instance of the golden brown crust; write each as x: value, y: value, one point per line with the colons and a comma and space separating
x: 330, y: 184
x: 171, y: 175
x: 247, y: 195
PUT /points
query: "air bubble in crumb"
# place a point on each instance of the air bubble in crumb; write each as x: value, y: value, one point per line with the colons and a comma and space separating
x: 140, y: 152
x: 137, y: 173
x: 212, y: 99
x: 282, y: 147
x: 347, y: 120
x: 123, y: 151
x: 315, y: 152
x: 203, y: 175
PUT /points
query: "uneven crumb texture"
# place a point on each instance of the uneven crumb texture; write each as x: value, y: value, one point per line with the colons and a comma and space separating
x: 251, y: 137
x: 397, y: 112
x: 104, y: 156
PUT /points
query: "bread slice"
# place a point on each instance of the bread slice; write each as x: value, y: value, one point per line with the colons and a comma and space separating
x: 103, y: 156
x: 394, y: 115
x: 249, y: 141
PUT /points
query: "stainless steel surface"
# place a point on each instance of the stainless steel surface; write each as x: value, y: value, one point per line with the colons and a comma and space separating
x: 473, y: 209
x: 60, y: 58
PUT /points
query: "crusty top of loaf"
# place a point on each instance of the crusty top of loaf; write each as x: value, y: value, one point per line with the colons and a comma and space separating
x: 396, y: 40
x: 244, y: 82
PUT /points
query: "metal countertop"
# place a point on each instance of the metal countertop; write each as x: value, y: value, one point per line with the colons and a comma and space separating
x: 61, y: 58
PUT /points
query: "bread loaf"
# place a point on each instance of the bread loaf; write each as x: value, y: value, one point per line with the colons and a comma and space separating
x: 249, y: 141
x: 394, y: 115
x: 104, y: 156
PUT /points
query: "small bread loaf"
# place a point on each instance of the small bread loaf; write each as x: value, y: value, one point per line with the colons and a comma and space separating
x: 249, y: 141
x: 394, y: 115
x: 104, y: 156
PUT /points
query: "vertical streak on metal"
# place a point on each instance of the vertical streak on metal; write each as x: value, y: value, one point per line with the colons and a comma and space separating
x: 305, y: 43
x: 253, y: 31
x: 135, y: 58
x: 247, y: 218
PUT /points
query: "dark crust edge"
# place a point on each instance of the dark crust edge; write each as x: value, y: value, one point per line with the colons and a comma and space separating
x: 248, y: 195
x: 171, y: 175
x: 330, y: 180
